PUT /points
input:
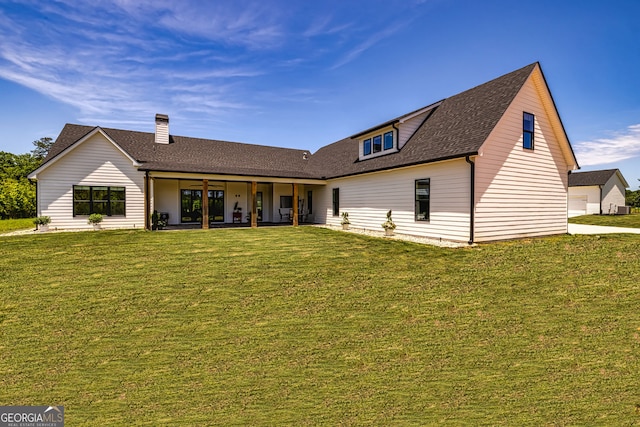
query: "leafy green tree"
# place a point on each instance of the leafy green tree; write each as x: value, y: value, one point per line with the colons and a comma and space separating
x: 17, y: 192
x: 17, y: 198
x: 42, y: 147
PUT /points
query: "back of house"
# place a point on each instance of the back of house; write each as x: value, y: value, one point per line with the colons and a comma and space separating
x: 487, y: 164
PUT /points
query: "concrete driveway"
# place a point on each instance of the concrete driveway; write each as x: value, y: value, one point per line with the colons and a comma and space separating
x: 600, y: 229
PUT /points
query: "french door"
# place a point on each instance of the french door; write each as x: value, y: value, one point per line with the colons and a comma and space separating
x: 191, y: 205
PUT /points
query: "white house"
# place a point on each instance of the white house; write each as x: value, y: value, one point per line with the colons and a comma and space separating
x: 597, y: 192
x: 490, y: 163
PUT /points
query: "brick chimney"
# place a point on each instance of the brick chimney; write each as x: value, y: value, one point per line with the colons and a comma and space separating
x: 162, y: 129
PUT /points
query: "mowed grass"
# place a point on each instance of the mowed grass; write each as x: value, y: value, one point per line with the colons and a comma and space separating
x: 9, y: 225
x: 307, y: 326
x: 632, y: 220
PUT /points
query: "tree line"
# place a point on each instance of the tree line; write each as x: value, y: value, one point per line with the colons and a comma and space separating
x: 632, y: 198
x: 17, y: 192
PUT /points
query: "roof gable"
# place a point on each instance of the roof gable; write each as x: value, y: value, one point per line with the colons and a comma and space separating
x: 71, y: 137
x: 593, y: 178
x: 458, y: 127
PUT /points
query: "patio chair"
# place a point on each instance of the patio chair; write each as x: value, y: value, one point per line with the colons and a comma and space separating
x: 284, y: 214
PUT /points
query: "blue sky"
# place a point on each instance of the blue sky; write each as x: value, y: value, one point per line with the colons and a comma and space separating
x: 303, y: 74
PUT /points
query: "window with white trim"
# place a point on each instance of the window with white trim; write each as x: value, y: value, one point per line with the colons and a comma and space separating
x: 378, y: 144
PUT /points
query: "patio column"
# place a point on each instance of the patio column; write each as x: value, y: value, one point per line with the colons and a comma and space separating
x: 147, y: 201
x: 205, y: 204
x: 295, y: 204
x: 254, y: 204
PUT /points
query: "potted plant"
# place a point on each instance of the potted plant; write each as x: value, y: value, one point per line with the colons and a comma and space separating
x: 42, y: 223
x: 388, y: 225
x: 345, y: 221
x: 95, y: 219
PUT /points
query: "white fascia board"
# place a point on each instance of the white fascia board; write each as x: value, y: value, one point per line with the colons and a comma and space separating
x: 418, y: 112
x: 34, y: 174
x: 624, y: 181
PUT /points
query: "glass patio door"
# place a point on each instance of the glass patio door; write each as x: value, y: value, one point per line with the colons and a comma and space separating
x: 190, y: 205
x: 216, y: 206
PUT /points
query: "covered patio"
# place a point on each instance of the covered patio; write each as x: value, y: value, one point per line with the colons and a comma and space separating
x: 182, y: 200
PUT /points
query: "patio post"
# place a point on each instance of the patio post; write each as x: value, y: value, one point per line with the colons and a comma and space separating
x: 254, y: 204
x: 205, y: 204
x: 295, y: 204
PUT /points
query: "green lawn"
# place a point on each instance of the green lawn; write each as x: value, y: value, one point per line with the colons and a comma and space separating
x: 9, y: 225
x: 308, y: 326
x: 632, y: 220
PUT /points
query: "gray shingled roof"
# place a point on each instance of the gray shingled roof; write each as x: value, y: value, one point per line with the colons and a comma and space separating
x: 584, y: 179
x: 454, y: 128
x: 195, y: 155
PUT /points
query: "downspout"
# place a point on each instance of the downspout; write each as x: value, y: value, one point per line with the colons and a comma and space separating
x: 393, y: 125
x: 147, y: 205
x: 472, y: 201
x: 600, y: 199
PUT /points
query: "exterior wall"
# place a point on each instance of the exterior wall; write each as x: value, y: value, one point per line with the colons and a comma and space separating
x: 584, y: 200
x: 368, y: 197
x: 521, y: 192
x: 408, y: 128
x: 613, y: 195
x: 96, y: 161
x: 267, y: 201
x: 280, y: 190
x: 235, y: 192
x: 167, y: 198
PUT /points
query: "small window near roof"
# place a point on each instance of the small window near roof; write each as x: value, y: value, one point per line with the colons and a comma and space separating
x: 377, y: 143
x: 367, y: 147
x: 528, y: 120
x: 388, y: 140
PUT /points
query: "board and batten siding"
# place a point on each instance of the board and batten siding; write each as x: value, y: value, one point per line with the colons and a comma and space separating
x: 521, y: 192
x: 98, y: 162
x: 368, y: 197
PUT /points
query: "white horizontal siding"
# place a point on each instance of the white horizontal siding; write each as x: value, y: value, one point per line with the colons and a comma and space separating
x: 521, y: 192
x: 367, y: 198
x: 613, y: 195
x: 95, y: 161
x: 408, y: 128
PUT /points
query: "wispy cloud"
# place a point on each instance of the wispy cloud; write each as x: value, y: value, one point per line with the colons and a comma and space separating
x: 124, y: 60
x: 620, y: 146
x: 375, y: 38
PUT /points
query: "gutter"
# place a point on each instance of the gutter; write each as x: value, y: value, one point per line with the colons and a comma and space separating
x: 472, y: 201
